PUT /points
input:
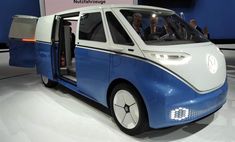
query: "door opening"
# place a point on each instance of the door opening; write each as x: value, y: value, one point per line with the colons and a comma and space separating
x: 67, y: 65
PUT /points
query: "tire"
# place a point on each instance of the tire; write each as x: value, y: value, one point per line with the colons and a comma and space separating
x: 48, y: 83
x: 128, y: 109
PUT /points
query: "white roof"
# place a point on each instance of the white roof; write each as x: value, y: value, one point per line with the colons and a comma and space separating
x: 25, y: 16
x: 112, y: 6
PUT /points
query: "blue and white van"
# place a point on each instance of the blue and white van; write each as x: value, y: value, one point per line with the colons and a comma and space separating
x: 147, y: 65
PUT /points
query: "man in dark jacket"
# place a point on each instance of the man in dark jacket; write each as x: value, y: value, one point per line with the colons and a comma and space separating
x: 193, y: 23
x: 154, y: 31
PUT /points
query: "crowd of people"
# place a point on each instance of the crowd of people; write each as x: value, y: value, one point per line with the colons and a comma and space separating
x: 154, y: 31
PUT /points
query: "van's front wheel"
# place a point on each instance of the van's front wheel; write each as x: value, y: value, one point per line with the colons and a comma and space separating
x: 128, y: 109
x: 47, y: 82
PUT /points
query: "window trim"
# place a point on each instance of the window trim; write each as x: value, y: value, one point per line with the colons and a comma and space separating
x: 121, y: 26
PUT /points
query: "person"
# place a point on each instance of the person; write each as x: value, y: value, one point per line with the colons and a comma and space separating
x: 137, y: 22
x: 169, y: 34
x: 182, y: 33
x: 193, y: 24
x: 72, y: 44
x: 206, y: 33
x: 153, y: 31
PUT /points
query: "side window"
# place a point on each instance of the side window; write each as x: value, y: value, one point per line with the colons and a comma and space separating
x: 118, y: 33
x: 91, y: 27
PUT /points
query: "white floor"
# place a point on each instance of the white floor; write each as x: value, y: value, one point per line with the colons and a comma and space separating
x: 29, y: 112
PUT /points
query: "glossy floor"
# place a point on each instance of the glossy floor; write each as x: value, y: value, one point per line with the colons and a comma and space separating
x: 30, y: 112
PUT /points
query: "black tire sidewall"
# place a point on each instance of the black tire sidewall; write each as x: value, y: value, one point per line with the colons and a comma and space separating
x: 50, y: 83
x: 142, y: 124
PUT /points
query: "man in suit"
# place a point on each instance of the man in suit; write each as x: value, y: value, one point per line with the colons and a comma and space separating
x: 137, y: 23
x: 154, y: 31
x: 193, y: 23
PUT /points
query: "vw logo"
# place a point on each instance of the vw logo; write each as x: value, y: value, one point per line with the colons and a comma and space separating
x: 212, y: 64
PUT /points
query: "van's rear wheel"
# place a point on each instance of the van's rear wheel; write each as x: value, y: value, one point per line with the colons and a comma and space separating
x: 47, y: 82
x: 128, y: 109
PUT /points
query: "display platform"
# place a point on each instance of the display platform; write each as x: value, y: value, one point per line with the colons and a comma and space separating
x: 30, y: 112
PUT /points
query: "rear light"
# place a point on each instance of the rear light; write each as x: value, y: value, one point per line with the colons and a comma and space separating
x: 29, y: 40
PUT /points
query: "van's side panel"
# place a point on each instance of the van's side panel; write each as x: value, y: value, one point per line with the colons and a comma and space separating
x: 44, y: 59
x: 44, y: 47
x: 92, y: 72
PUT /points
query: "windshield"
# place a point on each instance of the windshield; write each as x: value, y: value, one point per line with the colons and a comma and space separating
x: 161, y: 28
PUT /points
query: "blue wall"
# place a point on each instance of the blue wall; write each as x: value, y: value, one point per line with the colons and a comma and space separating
x: 217, y: 15
x: 10, y: 8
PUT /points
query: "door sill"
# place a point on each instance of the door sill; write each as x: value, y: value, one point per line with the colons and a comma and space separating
x: 69, y: 79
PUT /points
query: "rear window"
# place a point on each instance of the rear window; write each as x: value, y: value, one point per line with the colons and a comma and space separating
x: 23, y: 27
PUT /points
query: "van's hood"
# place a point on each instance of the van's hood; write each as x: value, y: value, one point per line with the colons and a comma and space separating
x: 201, y: 65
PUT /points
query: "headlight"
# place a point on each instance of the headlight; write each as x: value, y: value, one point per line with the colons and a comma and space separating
x: 170, y: 58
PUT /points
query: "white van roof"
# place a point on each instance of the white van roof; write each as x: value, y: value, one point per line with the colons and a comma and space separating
x: 25, y: 16
x: 112, y: 6
x: 44, y: 26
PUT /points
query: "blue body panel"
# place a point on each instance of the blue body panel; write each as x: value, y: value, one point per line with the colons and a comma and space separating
x: 93, y: 73
x: 22, y: 54
x: 44, y: 57
x: 160, y: 90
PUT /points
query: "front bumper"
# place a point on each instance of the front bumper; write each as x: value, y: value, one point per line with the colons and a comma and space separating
x: 181, y: 111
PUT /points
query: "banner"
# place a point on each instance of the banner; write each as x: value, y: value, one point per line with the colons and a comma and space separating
x: 54, y: 6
